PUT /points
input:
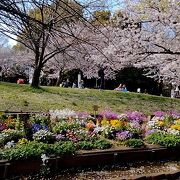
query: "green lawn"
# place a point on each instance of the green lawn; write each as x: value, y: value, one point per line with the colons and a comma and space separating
x: 15, y: 97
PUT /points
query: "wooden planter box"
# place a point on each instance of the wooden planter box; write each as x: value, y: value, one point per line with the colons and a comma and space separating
x: 87, y: 159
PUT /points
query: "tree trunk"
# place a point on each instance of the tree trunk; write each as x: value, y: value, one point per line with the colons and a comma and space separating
x: 59, y: 78
x: 101, y: 75
x: 36, y: 76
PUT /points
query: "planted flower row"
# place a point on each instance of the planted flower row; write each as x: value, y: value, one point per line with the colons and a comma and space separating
x: 63, y: 132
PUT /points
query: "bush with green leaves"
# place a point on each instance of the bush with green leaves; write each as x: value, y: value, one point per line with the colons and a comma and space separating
x: 9, y: 135
x: 85, y: 145
x: 135, y: 143
x: 42, y: 119
x: 155, y: 138
x: 64, y: 148
x: 25, y: 151
x: 102, y: 144
x: 164, y: 139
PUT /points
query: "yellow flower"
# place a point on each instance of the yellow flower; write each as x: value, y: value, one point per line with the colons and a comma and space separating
x: 177, y: 121
x: 23, y: 141
x: 175, y: 126
x: 116, y: 123
x: 104, y: 122
x: 161, y: 123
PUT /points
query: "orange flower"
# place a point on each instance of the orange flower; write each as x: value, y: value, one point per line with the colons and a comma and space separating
x: 90, y: 126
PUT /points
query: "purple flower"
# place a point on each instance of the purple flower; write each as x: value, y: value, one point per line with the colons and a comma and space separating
x: 149, y: 132
x: 108, y: 114
x: 159, y: 113
x: 45, y: 127
x: 135, y: 125
x: 135, y: 116
x: 60, y: 137
x: 3, y: 126
x: 123, y: 135
x: 174, y: 114
x: 74, y: 139
x: 83, y: 114
x: 37, y: 127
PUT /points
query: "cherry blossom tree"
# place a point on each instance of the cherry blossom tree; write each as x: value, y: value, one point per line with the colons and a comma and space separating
x: 155, y: 43
x: 145, y: 36
x: 15, y: 64
x: 42, y: 26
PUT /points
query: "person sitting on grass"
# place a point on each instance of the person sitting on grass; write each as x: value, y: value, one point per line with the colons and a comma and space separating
x: 119, y: 88
x: 124, y: 89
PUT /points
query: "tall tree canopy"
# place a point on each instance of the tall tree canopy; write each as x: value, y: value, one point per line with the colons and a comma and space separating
x: 43, y: 27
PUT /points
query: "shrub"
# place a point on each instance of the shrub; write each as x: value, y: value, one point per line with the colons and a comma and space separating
x: 135, y: 143
x: 85, y: 145
x: 25, y: 151
x: 64, y: 148
x: 164, y: 139
x: 10, y: 135
x: 102, y: 144
x: 41, y: 119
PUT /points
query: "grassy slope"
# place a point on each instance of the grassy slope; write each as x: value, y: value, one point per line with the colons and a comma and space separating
x: 15, y: 97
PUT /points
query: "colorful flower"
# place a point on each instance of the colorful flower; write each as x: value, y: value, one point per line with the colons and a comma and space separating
x: 123, y: 135
x: 108, y: 114
x: 136, y: 116
x: 116, y: 123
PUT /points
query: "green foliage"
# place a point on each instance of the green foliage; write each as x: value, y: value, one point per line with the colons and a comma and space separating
x: 98, y: 144
x: 64, y: 148
x: 155, y: 138
x: 163, y: 139
x: 45, y: 170
x: 45, y: 98
x: 168, y: 120
x: 3, y: 117
x: 19, y: 125
x: 25, y: 151
x: 41, y: 119
x: 36, y: 149
x: 135, y: 143
x: 10, y: 135
x: 85, y: 145
x: 102, y: 144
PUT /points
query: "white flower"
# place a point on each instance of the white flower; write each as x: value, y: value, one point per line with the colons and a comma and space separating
x: 173, y: 131
x: 157, y: 118
x: 98, y: 129
x: 122, y: 116
x: 153, y: 123
x: 62, y: 114
x: 44, y: 158
x: 41, y: 135
x: 9, y: 144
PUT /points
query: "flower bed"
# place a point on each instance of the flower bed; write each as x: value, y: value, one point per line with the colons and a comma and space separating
x: 65, y: 132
